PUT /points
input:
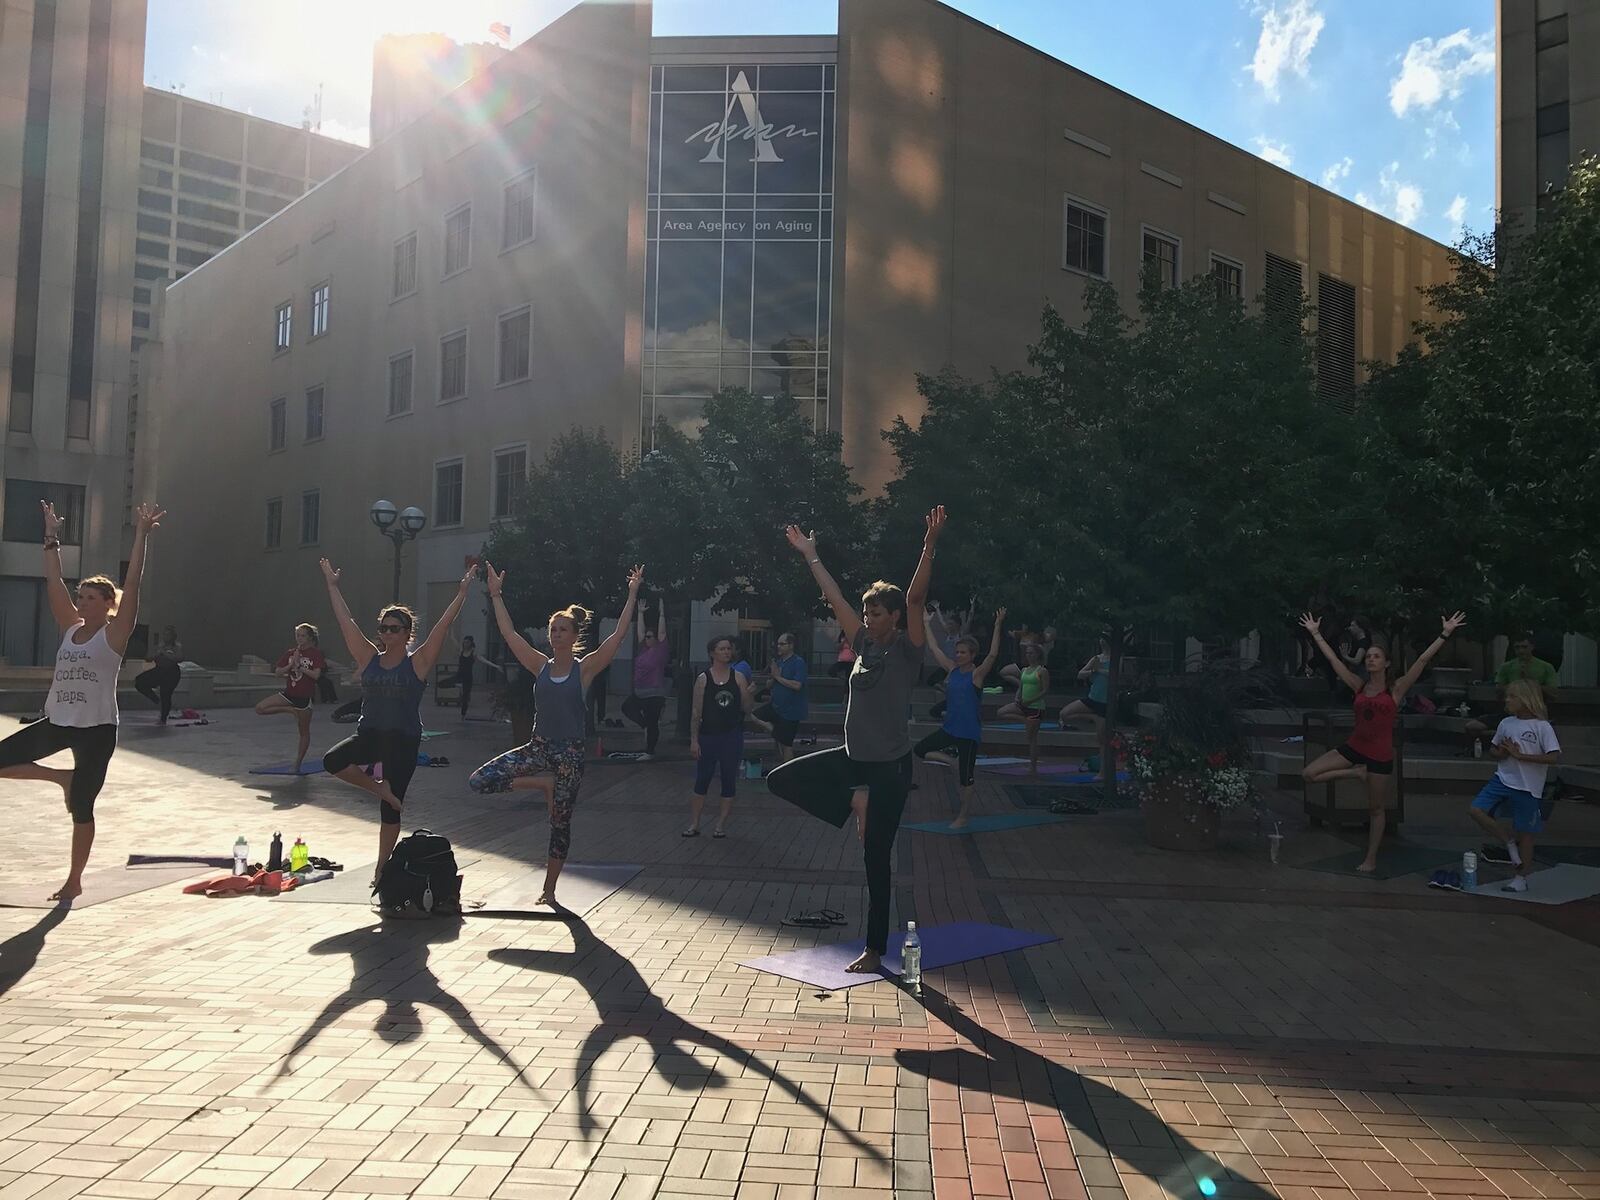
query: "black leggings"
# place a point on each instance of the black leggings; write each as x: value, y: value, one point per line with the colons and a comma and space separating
x: 92, y: 748
x: 464, y: 682
x: 165, y: 676
x: 396, y: 751
x: 822, y: 784
x: 966, y: 753
x: 645, y: 711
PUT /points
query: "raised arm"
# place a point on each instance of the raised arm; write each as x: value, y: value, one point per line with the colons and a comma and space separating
x: 981, y: 671
x: 917, y: 593
x: 600, y: 658
x: 146, y: 518
x: 361, y: 650
x: 939, y: 656
x: 661, y: 620
x: 971, y: 614
x: 427, y: 654
x: 61, y: 606
x: 1346, y: 676
x: 515, y: 642
x: 1447, y: 626
x: 843, y: 611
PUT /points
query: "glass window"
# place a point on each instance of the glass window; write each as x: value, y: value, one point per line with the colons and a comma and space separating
x: 146, y: 271
x: 161, y: 226
x: 320, y: 297
x: 785, y: 299
x: 453, y: 367
x: 405, y: 265
x: 159, y: 201
x: 315, y: 399
x: 201, y: 187
x: 1161, y: 257
x: 1084, y: 246
x: 277, y: 423
x: 149, y: 149
x: 516, y: 337
x: 208, y: 212
x: 1554, y: 159
x: 310, y: 518
x: 400, y: 383
x: 510, y: 478
x: 692, y: 138
x: 688, y: 295
x: 458, y: 240
x: 194, y: 161
x: 264, y: 203
x: 155, y: 177
x: 1550, y: 69
x: 208, y: 237
x: 23, y: 522
x: 274, y: 537
x: 447, y: 485
x: 1552, y: 118
x: 150, y: 249
x: 1228, y: 276
x: 191, y: 258
x: 519, y: 208
x: 1550, y: 33
x: 284, y: 331
x: 785, y: 141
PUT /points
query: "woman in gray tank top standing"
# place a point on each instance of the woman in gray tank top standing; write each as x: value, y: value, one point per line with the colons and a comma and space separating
x: 560, y: 680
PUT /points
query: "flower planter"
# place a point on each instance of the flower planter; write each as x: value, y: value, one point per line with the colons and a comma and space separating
x: 1177, y: 816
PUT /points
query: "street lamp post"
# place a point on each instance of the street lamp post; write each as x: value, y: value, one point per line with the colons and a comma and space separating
x: 399, y: 527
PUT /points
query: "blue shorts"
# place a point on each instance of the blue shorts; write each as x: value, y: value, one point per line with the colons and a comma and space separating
x: 1524, y: 806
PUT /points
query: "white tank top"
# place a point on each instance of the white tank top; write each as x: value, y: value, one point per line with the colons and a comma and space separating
x: 85, y: 689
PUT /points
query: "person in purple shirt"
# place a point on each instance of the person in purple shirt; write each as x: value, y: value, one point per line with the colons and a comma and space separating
x: 649, y: 696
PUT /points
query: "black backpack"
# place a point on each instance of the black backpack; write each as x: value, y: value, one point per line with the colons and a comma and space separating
x: 420, y: 878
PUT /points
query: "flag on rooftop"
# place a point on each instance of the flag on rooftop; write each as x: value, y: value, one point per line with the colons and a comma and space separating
x: 501, y: 32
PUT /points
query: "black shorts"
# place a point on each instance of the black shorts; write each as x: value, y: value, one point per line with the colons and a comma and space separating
x: 1097, y: 707
x: 297, y: 701
x: 1355, y: 758
x: 783, y: 729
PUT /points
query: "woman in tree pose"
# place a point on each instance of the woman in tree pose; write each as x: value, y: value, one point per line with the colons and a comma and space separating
x: 1097, y: 673
x: 161, y: 680
x: 1368, y: 753
x: 556, y: 747
x: 867, y: 776
x: 393, y: 678
x: 649, y: 696
x: 962, y: 730
x: 80, y: 713
x: 722, y: 696
x: 1033, y: 684
x: 300, y: 667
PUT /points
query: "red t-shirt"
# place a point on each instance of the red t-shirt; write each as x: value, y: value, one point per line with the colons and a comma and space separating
x: 1374, y: 731
x: 299, y: 685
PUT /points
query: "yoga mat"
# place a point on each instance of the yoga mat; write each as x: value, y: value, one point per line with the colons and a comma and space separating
x: 1057, y: 771
x: 311, y: 766
x: 991, y: 761
x: 1019, y: 726
x: 1578, y: 856
x: 1393, y: 862
x: 1554, y: 885
x: 942, y: 946
x: 988, y: 823
x: 1043, y: 795
x: 581, y: 888
x: 30, y: 891
x: 188, y: 861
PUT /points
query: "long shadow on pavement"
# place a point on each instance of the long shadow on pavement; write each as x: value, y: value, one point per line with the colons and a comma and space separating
x: 389, y: 962
x: 628, y: 1008
x: 1006, y: 1069
x: 20, y: 951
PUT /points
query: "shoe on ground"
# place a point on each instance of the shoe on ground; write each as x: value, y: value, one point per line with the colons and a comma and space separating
x: 1495, y: 852
x: 1517, y: 883
x: 645, y: 758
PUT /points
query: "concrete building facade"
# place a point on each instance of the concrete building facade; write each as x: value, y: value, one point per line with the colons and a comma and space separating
x: 814, y: 218
x: 1547, y: 111
x: 70, y: 89
x: 412, y: 72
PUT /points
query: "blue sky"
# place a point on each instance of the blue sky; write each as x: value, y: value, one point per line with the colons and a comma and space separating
x: 1389, y: 102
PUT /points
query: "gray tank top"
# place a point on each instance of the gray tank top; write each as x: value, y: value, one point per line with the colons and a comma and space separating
x: 558, y: 705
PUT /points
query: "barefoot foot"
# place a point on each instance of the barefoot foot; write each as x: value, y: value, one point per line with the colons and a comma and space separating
x: 548, y: 899
x: 70, y: 890
x: 869, y: 961
x: 959, y: 823
x: 1367, y: 867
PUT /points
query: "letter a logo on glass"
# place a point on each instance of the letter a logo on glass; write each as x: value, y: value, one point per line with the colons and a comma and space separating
x: 719, y: 133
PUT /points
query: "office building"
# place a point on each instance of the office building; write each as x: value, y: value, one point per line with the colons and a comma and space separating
x: 603, y: 229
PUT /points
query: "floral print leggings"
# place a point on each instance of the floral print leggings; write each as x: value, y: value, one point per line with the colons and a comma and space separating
x: 564, y: 757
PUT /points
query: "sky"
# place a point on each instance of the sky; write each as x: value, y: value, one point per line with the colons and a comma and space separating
x: 1388, y: 102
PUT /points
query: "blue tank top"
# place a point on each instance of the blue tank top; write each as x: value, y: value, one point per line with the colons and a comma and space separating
x: 1100, y: 684
x: 558, y: 705
x: 961, y: 701
x: 390, y: 699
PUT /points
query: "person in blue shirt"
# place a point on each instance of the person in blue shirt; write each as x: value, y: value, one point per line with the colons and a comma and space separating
x: 962, y: 731
x: 786, y: 707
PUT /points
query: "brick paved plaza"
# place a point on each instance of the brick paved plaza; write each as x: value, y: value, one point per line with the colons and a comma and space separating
x: 1203, y: 1025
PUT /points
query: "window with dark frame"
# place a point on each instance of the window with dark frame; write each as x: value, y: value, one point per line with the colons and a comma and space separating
x: 516, y: 339
x: 310, y: 517
x: 510, y: 478
x: 519, y: 211
x: 405, y: 266
x: 285, y: 325
x: 1228, y: 276
x: 453, y: 367
x: 320, y: 296
x: 274, y: 537
x: 277, y: 424
x: 315, y: 398
x: 448, y: 479
x: 1161, y: 256
x: 23, y: 522
x: 1085, y: 239
x: 458, y: 240
x: 400, y: 379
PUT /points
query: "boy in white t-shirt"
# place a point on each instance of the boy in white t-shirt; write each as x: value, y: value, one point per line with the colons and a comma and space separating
x: 1526, y: 745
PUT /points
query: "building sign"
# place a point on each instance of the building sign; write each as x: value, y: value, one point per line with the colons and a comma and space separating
x: 783, y: 224
x: 718, y: 134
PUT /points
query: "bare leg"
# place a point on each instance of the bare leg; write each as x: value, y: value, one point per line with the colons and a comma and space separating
x: 1489, y: 825
x: 697, y: 804
x: 1033, y: 747
x: 60, y: 777
x: 388, y: 835
x: 303, y: 719
x: 355, y: 777
x: 545, y: 783
x: 1377, y: 817
x: 966, y: 807
x: 1330, y: 767
x: 552, y: 872
x: 82, y: 843
x: 1525, y: 852
x: 722, y: 816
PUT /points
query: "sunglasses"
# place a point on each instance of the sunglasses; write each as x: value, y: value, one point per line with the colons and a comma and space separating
x: 393, y: 629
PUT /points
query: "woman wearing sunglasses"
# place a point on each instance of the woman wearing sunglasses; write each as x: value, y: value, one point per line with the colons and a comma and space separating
x: 392, y: 681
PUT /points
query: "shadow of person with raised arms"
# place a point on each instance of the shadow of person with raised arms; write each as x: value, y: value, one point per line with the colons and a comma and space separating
x: 20, y: 951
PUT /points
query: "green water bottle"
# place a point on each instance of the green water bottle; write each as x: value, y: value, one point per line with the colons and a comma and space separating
x: 298, y: 855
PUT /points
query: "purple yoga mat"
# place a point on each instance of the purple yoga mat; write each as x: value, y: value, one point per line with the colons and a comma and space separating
x: 942, y: 946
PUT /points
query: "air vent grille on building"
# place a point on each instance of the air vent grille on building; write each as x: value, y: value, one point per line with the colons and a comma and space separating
x: 1284, y: 291
x: 1336, y: 342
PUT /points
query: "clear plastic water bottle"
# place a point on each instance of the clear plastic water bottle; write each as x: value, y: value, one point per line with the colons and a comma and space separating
x: 299, y: 854
x: 1469, y: 871
x: 241, y: 856
x: 911, y: 959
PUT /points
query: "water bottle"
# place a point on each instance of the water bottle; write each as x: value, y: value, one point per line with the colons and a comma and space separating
x: 1477, y: 747
x: 911, y: 959
x: 1469, y: 871
x: 241, y: 856
x: 299, y: 854
x: 275, y: 853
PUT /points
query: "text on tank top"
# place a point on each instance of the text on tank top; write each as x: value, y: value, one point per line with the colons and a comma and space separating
x: 390, y: 698
x: 84, y: 691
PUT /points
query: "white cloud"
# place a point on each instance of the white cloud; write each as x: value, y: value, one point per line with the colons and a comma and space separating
x: 1434, y: 70
x: 1276, y: 153
x: 1396, y: 198
x: 1456, y: 214
x: 1338, y: 171
x: 1288, y: 35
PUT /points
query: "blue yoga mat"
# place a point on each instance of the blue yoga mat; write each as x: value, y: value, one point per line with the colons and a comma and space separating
x: 988, y: 823
x: 311, y: 766
x: 942, y: 946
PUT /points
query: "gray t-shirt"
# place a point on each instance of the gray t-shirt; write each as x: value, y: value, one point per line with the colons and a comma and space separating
x: 876, y: 715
